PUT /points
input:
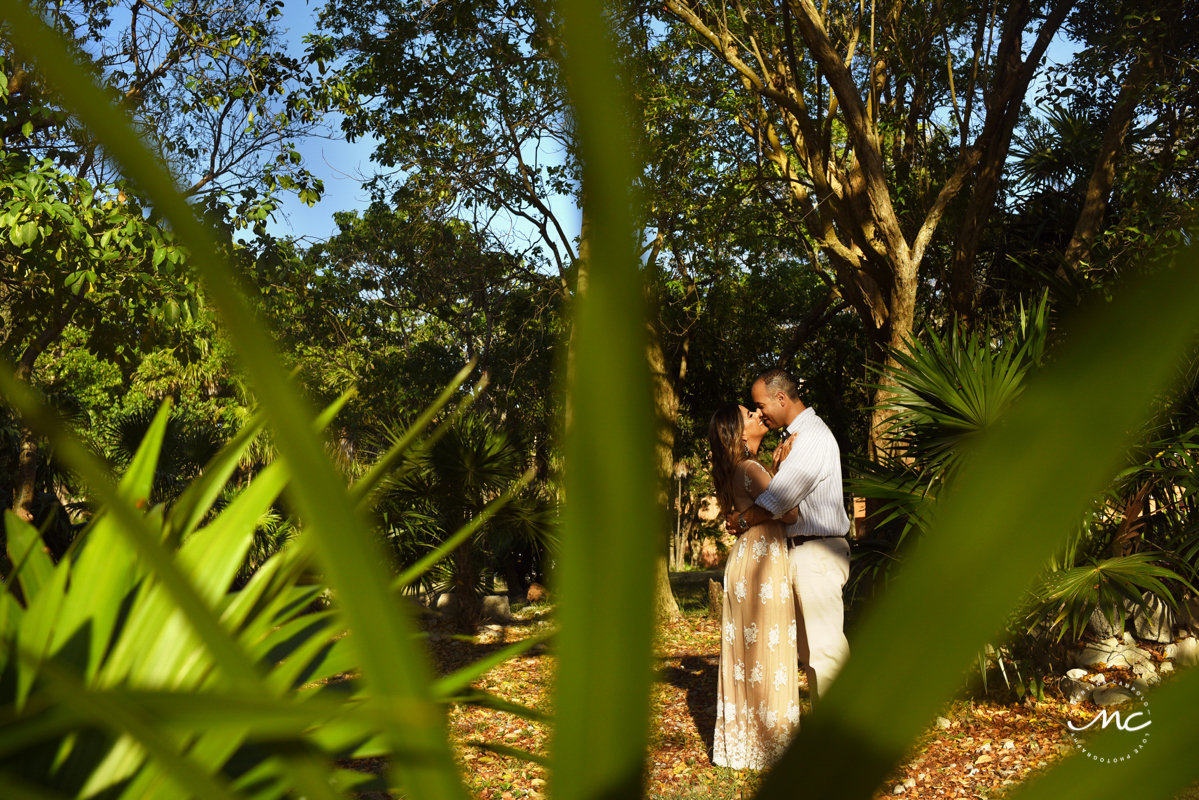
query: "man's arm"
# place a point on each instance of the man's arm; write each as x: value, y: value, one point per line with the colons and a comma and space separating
x: 796, y: 478
x: 754, y: 515
x: 757, y: 479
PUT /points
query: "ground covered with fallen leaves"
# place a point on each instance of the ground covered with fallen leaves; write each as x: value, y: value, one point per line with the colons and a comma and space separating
x: 977, y: 749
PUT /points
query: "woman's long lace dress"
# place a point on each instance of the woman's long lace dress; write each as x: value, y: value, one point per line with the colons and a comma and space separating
x: 757, y: 710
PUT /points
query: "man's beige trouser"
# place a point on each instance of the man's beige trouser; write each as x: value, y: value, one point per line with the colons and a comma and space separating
x: 819, y: 570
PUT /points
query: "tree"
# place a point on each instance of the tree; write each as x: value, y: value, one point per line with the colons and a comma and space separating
x: 950, y: 391
x: 74, y: 253
x: 210, y: 87
x: 467, y: 127
x: 477, y: 125
x: 840, y: 104
x: 455, y: 480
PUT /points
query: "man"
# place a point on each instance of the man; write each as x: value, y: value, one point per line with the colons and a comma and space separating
x: 810, y: 478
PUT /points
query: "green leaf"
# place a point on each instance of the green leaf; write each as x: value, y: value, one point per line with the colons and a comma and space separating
x: 32, y: 565
x: 101, y: 709
x: 213, y: 554
x: 612, y: 521
x: 138, y: 481
x: 26, y: 234
x: 37, y: 628
x: 134, y: 526
x: 393, y: 670
x: 199, y: 496
x: 427, y: 562
x: 380, y: 469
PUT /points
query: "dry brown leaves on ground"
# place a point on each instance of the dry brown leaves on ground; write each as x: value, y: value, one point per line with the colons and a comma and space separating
x: 989, y: 746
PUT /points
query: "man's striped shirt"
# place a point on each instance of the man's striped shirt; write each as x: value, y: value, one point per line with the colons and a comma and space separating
x: 810, y: 478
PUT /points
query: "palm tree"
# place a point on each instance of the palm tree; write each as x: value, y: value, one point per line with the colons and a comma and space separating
x: 471, y: 465
x: 951, y: 389
x: 189, y: 444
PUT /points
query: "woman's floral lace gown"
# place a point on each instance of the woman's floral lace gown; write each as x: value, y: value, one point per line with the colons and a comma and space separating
x: 757, y: 711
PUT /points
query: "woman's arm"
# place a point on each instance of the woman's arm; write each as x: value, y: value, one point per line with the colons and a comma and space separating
x: 757, y: 479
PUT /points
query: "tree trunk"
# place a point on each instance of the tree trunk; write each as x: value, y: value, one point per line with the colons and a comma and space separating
x: 26, y: 484
x: 27, y: 459
x: 1099, y: 189
x: 666, y: 410
x: 467, y: 604
x: 665, y: 606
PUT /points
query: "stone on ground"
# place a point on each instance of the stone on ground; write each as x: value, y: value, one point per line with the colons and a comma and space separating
x: 1111, y: 652
x: 1112, y: 695
x: 1101, y: 627
x: 493, y: 606
x: 1154, y: 622
x: 1187, y: 653
x: 1074, y: 690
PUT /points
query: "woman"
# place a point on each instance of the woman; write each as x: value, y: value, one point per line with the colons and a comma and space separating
x: 757, y: 710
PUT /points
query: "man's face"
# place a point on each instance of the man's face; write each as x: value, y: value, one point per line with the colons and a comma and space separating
x: 770, y: 405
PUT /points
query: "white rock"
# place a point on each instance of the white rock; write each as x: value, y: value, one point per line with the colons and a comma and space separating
x: 943, y: 723
x: 1187, y: 654
x: 1008, y: 744
x: 1166, y: 666
x: 497, y: 607
x: 1098, y: 679
x: 1100, y: 626
x: 1076, y: 674
x: 1075, y: 691
x: 1114, y: 655
x: 1155, y: 621
x: 1112, y: 695
x: 899, y: 789
x: 1170, y: 650
x: 1129, y: 639
x: 494, y: 606
x: 910, y: 783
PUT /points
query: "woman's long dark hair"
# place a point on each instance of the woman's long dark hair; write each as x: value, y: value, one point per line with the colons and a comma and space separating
x: 724, y: 433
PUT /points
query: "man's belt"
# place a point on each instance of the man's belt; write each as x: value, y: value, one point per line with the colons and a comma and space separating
x: 796, y: 541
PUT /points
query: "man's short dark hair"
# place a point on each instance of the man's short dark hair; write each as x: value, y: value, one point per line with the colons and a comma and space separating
x: 779, y: 380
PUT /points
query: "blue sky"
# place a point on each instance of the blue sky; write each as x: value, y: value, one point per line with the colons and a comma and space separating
x: 341, y: 165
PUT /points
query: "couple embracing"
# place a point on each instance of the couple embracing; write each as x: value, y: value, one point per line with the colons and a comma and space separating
x: 785, y: 573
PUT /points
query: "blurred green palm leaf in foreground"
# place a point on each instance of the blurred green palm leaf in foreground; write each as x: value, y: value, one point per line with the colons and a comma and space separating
x: 197, y: 695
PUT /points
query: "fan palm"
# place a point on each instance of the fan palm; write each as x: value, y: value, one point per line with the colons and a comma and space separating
x: 452, y: 482
x: 187, y: 446
x: 949, y: 390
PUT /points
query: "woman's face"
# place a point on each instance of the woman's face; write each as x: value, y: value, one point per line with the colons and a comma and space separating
x: 752, y: 427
